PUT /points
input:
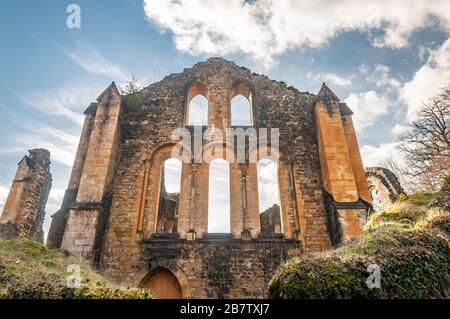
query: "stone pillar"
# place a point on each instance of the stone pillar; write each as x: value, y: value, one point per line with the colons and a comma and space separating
x: 251, y: 200
x: 193, y: 208
x: 185, y: 210
x: 87, y: 217
x: 25, y: 205
x: 237, y: 204
x: 201, y: 194
x: 59, y: 219
x: 336, y: 157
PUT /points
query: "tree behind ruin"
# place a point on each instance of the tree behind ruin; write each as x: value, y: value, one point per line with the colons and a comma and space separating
x: 426, y: 146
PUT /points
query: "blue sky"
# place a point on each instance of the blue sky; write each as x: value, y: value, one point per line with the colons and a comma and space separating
x: 383, y: 59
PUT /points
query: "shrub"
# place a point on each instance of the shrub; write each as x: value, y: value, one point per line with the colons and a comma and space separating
x: 422, y: 198
x: 409, y: 243
x: 28, y: 270
x: 133, y: 102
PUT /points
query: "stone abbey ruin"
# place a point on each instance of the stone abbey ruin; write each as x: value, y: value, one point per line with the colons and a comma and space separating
x: 118, y: 214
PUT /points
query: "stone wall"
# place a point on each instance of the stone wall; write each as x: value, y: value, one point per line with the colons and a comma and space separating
x: 25, y: 205
x: 220, y: 268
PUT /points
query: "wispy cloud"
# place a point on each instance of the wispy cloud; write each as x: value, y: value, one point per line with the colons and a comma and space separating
x: 61, y: 145
x: 380, y: 75
x: 92, y: 61
x: 265, y: 29
x: 65, y: 101
x: 331, y: 78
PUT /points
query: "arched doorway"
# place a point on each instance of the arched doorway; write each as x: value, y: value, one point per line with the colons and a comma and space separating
x: 163, y: 284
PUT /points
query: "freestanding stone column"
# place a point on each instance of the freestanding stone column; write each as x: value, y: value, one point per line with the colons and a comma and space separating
x: 87, y: 218
x: 25, y: 206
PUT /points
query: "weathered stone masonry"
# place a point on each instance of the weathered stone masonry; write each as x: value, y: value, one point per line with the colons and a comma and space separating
x: 110, y: 213
x: 25, y: 205
x: 384, y: 187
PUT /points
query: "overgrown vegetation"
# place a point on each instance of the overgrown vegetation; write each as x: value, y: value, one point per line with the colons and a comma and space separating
x: 31, y: 271
x: 409, y: 241
x: 131, y: 95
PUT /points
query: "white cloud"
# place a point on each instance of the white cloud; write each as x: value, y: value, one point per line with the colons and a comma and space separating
x: 332, y: 78
x: 268, y: 191
x: 377, y: 155
x: 3, y: 195
x: 399, y: 129
x: 367, y: 107
x: 92, y: 61
x: 428, y: 80
x: 264, y: 29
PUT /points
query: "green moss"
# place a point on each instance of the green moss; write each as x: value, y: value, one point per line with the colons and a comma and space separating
x: 408, y: 241
x: 422, y: 198
x: 29, y: 270
x: 401, y: 214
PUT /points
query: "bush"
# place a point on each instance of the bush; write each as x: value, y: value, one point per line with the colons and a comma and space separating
x: 422, y: 198
x: 409, y: 243
x: 133, y: 102
x: 28, y: 270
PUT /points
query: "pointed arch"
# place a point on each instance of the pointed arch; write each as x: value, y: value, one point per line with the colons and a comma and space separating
x: 197, y: 105
x: 241, y: 105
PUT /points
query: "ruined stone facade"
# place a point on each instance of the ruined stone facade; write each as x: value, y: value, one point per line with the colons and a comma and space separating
x: 384, y: 186
x: 25, y: 205
x: 113, y: 206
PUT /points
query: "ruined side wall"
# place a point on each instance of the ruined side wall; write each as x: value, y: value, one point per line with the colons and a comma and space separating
x: 384, y: 185
x: 25, y: 206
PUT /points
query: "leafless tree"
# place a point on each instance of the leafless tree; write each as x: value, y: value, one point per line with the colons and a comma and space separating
x: 399, y: 171
x: 426, y: 145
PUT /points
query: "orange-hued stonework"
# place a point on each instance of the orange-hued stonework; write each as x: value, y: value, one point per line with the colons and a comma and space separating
x: 24, y: 209
x: 117, y: 214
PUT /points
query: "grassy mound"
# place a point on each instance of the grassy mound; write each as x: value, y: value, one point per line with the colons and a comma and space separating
x: 409, y: 241
x: 29, y: 270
